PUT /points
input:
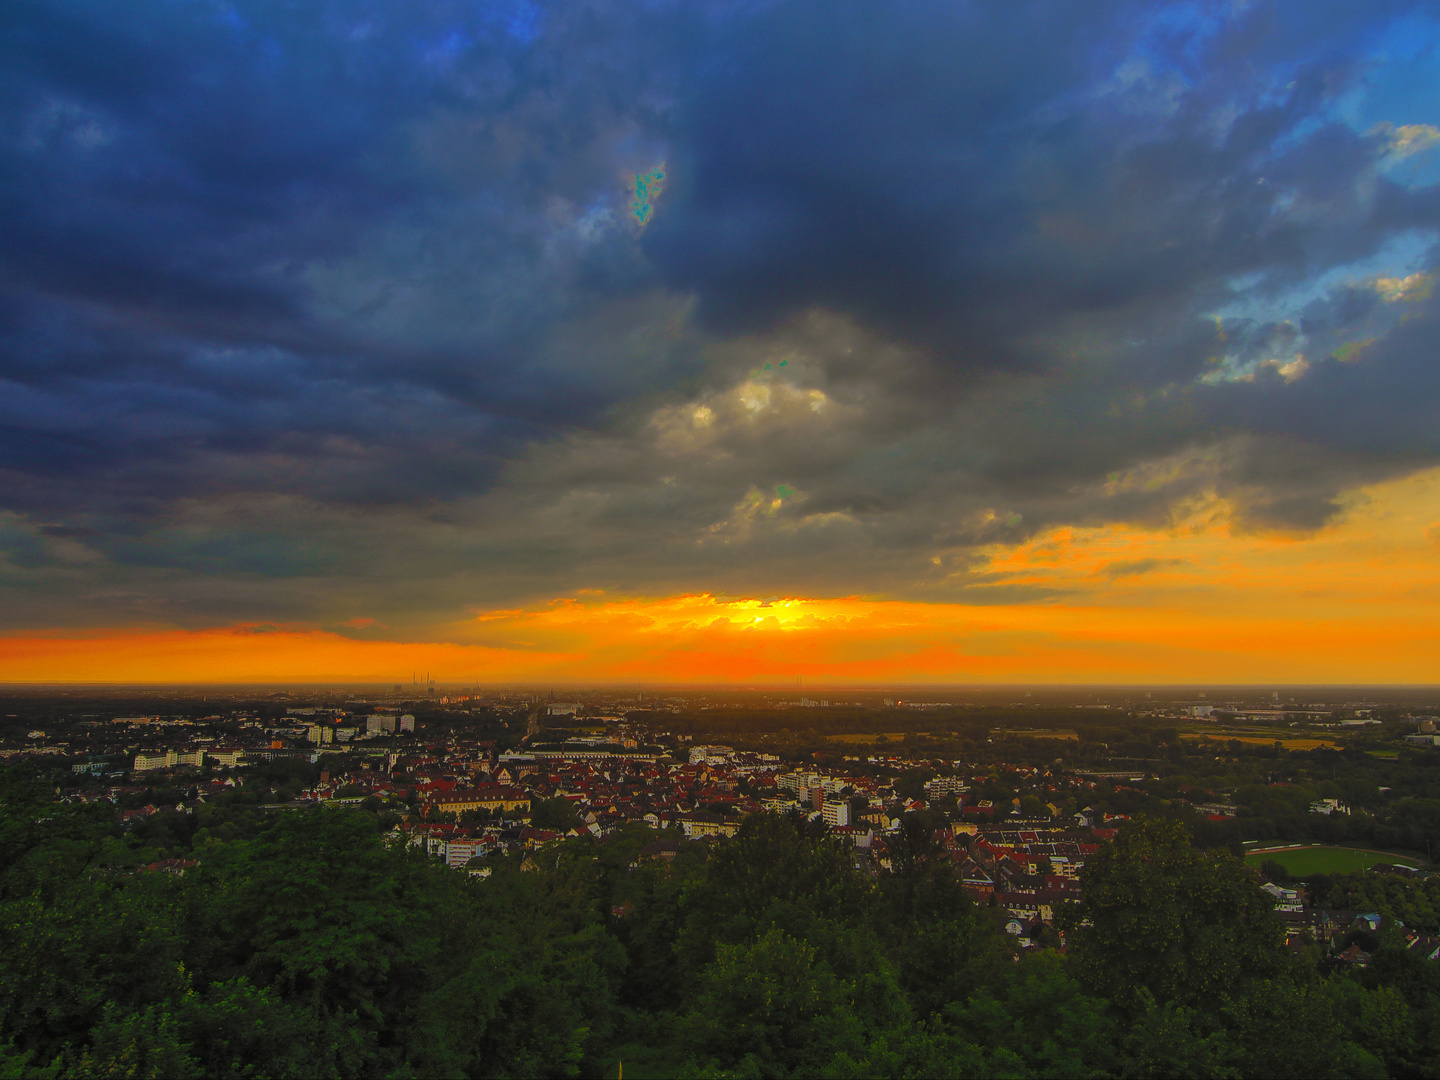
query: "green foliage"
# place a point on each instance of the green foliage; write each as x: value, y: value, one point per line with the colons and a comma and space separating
x: 774, y: 1004
x: 1170, y: 1040
x: 1186, y: 925
x: 1042, y: 1017
x: 1275, y: 871
x: 1414, y: 902
x: 557, y: 814
x: 303, y: 945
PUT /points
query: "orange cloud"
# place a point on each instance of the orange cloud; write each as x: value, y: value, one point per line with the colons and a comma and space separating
x: 1359, y: 602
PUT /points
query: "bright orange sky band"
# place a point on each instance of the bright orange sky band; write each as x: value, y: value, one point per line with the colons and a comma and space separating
x: 1359, y: 602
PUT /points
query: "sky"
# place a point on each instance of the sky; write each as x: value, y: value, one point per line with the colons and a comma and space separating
x: 752, y: 342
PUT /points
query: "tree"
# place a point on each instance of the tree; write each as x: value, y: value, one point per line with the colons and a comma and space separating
x: 1188, y: 926
x: 557, y: 814
x: 910, y: 785
x: 319, y: 910
x: 773, y: 1003
x: 1275, y: 871
x: 916, y: 844
x: 775, y: 859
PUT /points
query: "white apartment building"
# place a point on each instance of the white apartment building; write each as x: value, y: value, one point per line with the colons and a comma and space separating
x: 147, y: 760
x: 945, y: 785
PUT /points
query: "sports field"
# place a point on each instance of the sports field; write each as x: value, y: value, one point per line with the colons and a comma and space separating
x: 1302, y: 860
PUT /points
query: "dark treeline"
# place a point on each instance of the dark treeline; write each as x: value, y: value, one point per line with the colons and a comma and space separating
x: 309, y: 943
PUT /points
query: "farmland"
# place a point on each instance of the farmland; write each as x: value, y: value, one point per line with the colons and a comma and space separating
x: 1252, y: 739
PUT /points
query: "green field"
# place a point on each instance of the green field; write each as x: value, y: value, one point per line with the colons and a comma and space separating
x: 1304, y: 860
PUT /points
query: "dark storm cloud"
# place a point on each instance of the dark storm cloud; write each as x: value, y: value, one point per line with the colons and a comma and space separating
x: 176, y: 171
x: 353, y: 291
x: 965, y: 180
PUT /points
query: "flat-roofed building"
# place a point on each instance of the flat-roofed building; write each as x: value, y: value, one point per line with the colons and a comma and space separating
x: 149, y: 760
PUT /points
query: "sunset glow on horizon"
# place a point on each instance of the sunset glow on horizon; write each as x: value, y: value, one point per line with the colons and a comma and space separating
x: 1359, y: 602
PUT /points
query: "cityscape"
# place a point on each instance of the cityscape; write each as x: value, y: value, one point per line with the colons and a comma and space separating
x: 758, y: 539
x: 472, y: 778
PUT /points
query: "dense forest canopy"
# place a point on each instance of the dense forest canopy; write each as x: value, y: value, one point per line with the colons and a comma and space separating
x: 310, y: 943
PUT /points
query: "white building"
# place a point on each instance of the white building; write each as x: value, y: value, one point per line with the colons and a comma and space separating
x: 945, y: 785
x: 708, y: 755
x: 795, y: 781
x: 1285, y: 899
x: 379, y: 724
x: 459, y: 852
x: 835, y: 814
x: 407, y: 722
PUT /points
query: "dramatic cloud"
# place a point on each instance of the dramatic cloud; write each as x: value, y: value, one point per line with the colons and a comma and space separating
x: 362, y: 316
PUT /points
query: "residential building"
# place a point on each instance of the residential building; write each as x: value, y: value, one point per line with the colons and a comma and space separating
x: 705, y: 823
x: 459, y: 852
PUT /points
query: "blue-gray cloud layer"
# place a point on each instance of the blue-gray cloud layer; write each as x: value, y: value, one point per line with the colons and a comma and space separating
x: 315, y: 310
